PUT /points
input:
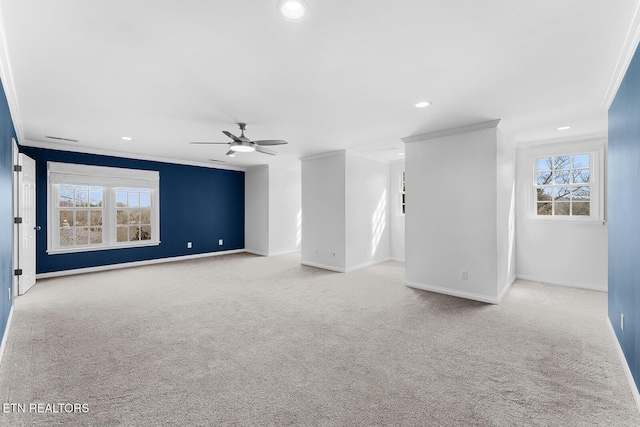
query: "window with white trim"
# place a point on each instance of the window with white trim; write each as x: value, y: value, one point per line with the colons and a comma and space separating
x: 567, y: 186
x: 97, y: 207
x: 403, y: 192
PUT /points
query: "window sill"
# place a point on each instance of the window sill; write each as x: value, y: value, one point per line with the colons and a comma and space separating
x: 100, y: 248
x: 572, y: 219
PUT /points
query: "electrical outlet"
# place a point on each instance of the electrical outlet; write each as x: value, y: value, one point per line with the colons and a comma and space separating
x: 189, y: 245
x: 464, y: 275
x: 622, y: 321
x: 220, y: 242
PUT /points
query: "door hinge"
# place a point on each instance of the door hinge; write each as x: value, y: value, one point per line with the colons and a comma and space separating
x: 17, y: 220
x: 17, y: 168
x: 17, y: 272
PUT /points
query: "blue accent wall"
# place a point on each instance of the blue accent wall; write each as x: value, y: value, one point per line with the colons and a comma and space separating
x: 7, y: 132
x: 624, y: 215
x: 197, y: 204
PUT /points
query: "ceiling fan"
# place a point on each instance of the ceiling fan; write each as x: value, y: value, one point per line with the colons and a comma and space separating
x: 243, y: 144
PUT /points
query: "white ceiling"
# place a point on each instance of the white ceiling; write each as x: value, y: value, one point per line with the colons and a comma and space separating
x: 170, y: 72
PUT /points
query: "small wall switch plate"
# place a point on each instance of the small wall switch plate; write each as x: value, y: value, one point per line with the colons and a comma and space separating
x: 622, y: 321
x: 220, y: 242
x: 189, y: 245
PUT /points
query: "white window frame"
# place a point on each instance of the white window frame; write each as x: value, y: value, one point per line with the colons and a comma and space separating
x: 402, y: 203
x: 597, y: 195
x: 109, y: 178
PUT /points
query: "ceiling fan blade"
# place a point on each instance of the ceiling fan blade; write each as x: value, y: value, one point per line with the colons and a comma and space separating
x: 232, y: 136
x: 270, y: 142
x: 265, y: 150
x: 209, y: 143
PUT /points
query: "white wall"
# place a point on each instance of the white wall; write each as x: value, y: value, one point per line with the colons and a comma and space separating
x: 396, y: 218
x: 506, y: 215
x: 367, y: 212
x: 323, y: 211
x: 256, y: 217
x: 451, y: 213
x: 285, y: 210
x: 557, y: 251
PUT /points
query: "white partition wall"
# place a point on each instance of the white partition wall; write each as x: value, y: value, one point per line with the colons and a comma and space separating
x: 345, y: 211
x: 273, y: 208
x: 505, y: 213
x: 396, y: 216
x: 285, y: 210
x: 323, y: 211
x: 367, y: 212
x: 256, y: 206
x: 459, y: 186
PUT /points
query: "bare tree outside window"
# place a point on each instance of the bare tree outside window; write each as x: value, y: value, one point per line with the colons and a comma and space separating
x: 563, y: 185
x: 80, y: 215
x: 133, y: 214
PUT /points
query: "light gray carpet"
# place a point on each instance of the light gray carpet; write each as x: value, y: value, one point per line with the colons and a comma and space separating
x: 247, y: 340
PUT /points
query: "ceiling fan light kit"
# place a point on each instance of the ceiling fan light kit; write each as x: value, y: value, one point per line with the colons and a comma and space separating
x: 242, y: 144
x: 242, y: 147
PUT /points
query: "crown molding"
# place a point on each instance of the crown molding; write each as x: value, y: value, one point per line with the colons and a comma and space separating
x: 126, y: 155
x: 321, y: 155
x: 599, y: 137
x: 624, y: 58
x: 453, y: 131
x: 7, y: 83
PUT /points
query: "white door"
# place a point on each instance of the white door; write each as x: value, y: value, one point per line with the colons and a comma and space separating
x: 27, y: 229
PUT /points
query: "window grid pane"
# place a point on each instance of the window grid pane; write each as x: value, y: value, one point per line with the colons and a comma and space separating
x: 81, y: 210
x: 133, y: 216
x: 562, y: 185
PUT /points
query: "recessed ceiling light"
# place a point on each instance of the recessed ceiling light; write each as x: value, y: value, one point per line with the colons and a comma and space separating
x: 127, y: 138
x: 293, y: 10
x: 422, y: 104
x: 564, y: 128
x: 400, y: 154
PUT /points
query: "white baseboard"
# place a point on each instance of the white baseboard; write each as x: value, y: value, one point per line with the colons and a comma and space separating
x: 625, y: 365
x: 452, y: 292
x: 261, y: 253
x: 323, y: 266
x: 133, y: 264
x: 284, y: 252
x: 343, y: 270
x: 6, y: 334
x: 366, y: 264
x: 503, y: 293
x: 563, y: 283
x: 251, y: 251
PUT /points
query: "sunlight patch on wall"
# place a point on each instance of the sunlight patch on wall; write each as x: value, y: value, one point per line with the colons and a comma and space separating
x: 512, y: 232
x: 378, y: 222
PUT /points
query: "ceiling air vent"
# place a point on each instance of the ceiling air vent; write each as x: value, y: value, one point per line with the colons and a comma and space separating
x: 217, y: 161
x: 58, y: 138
